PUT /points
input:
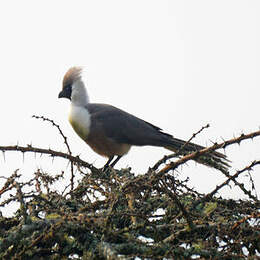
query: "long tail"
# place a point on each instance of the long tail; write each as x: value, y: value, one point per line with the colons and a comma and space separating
x: 214, y: 159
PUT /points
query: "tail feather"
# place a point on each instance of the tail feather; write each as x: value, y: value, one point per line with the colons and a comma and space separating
x: 213, y: 159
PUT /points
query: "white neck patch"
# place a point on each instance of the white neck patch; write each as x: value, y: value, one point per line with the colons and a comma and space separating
x: 79, y: 95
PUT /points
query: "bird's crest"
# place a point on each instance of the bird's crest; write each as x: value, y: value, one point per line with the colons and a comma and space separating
x: 72, y: 75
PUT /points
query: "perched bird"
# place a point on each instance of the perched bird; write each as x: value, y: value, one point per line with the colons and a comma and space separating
x: 111, y: 132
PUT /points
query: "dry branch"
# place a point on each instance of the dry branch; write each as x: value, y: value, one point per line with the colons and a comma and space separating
x: 65, y: 142
x: 52, y: 153
x: 117, y: 215
x: 216, y: 146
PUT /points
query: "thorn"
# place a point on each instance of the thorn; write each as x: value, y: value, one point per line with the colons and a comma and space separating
x: 4, y: 155
x: 211, y: 141
x: 23, y: 157
x: 68, y: 164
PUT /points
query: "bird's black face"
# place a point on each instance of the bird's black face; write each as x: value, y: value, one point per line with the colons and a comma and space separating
x: 66, y: 92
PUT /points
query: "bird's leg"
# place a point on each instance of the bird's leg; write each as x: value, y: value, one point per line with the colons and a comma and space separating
x: 115, y: 161
x: 108, y: 162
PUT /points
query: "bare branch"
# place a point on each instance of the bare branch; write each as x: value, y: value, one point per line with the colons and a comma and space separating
x: 174, y: 155
x: 216, y: 146
x: 52, y: 153
x: 65, y: 141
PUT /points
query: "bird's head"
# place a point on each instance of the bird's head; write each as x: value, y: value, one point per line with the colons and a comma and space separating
x: 73, y: 87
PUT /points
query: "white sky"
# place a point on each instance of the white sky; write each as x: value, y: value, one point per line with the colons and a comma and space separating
x: 176, y: 64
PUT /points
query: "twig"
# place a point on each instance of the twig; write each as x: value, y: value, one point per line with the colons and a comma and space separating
x: 165, y: 158
x: 29, y: 148
x: 65, y: 141
x: 244, y: 219
x: 20, y: 196
x: 108, y: 252
x: 58, y: 127
x: 174, y: 197
x: 197, y: 154
x: 9, y: 184
x: 231, y: 178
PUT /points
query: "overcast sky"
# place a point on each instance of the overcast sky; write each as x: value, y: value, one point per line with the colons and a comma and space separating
x: 176, y: 64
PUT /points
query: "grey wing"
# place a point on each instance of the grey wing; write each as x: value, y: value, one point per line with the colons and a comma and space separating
x: 126, y: 128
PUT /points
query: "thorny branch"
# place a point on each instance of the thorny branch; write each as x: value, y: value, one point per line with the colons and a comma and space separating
x: 167, y: 157
x: 232, y: 178
x: 52, y: 153
x: 197, y: 154
x: 59, y: 129
x: 117, y: 215
x: 65, y: 142
x: 216, y: 146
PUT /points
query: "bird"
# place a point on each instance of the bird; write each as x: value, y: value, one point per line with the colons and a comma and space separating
x: 111, y: 132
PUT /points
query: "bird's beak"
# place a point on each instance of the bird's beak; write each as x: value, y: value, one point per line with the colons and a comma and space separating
x: 65, y: 93
x: 61, y: 94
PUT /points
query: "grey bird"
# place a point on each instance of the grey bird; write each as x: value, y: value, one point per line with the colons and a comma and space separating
x: 111, y: 132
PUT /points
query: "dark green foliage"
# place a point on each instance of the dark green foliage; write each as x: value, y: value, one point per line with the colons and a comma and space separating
x: 117, y: 215
x: 105, y: 215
